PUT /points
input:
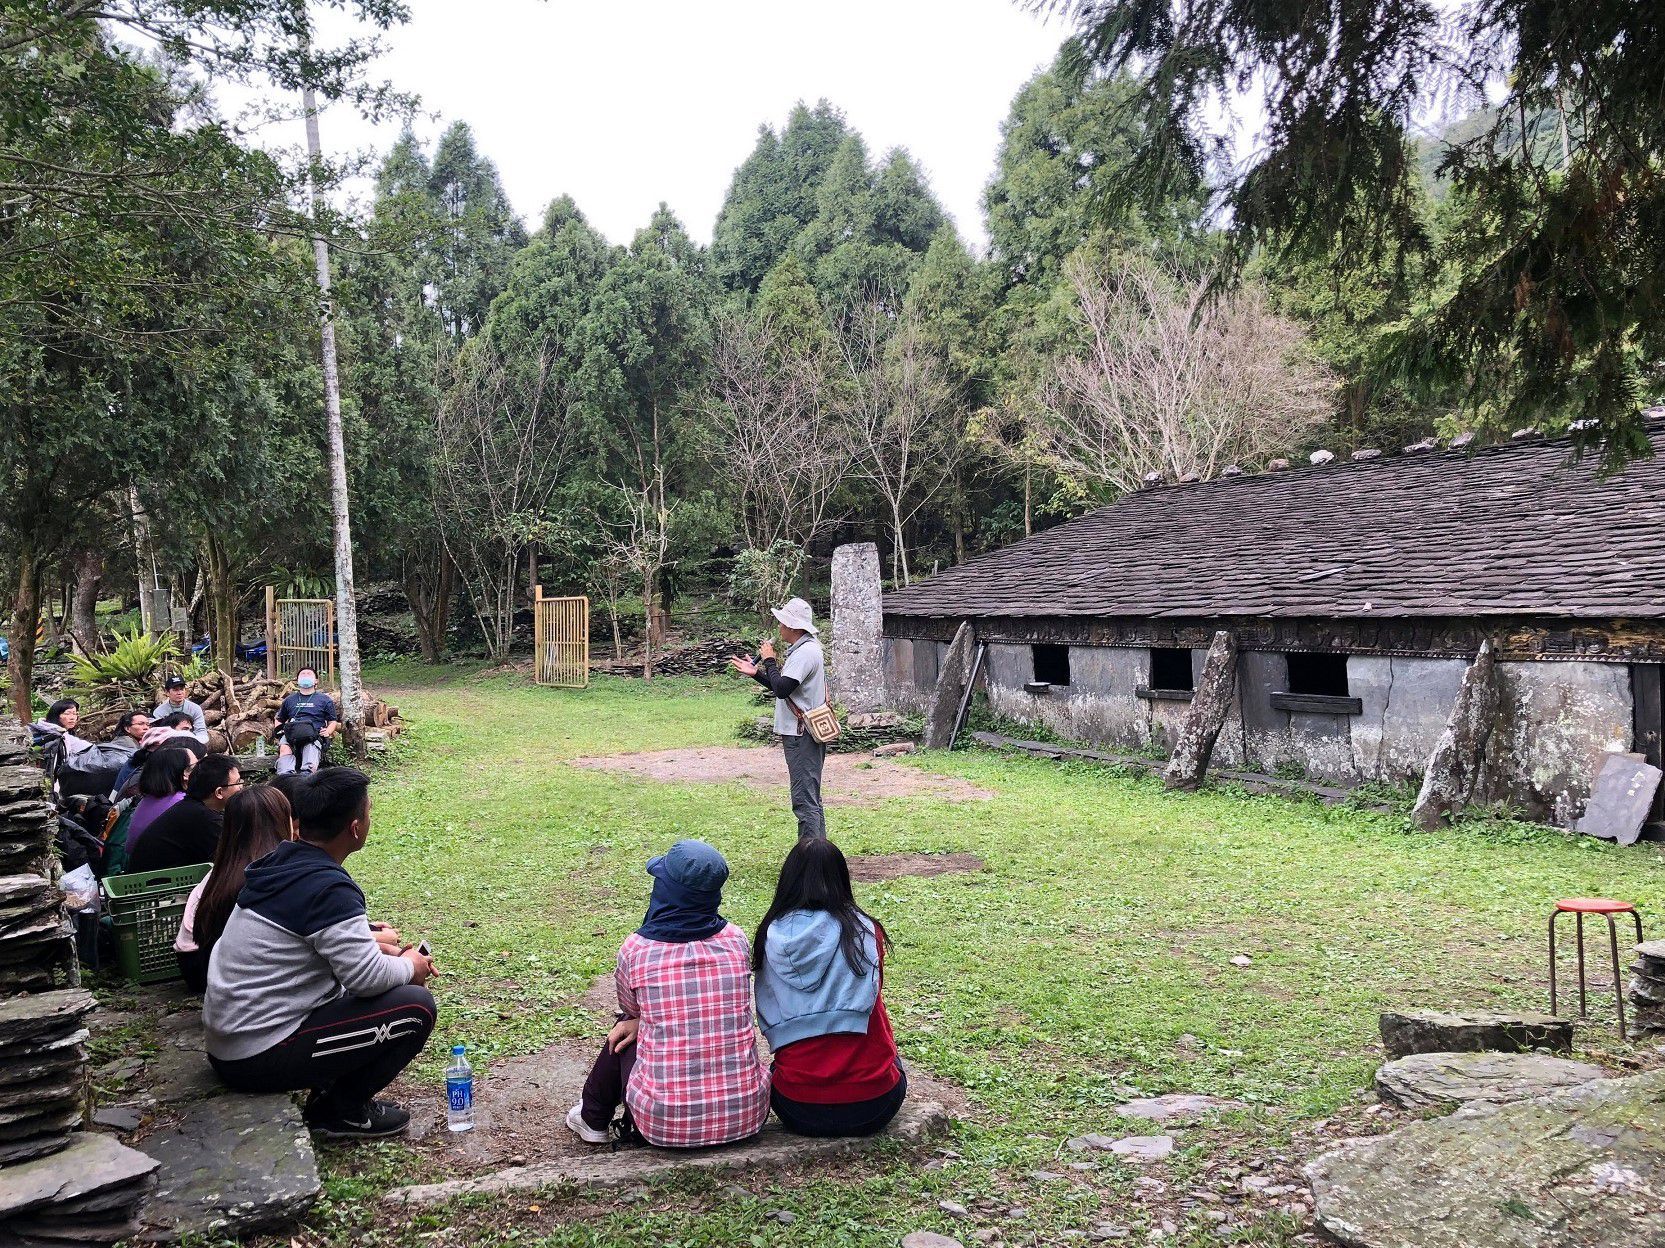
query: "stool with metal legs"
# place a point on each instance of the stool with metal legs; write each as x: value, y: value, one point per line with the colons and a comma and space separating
x: 1607, y: 908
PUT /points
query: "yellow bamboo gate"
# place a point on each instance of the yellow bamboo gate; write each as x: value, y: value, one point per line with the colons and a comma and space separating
x: 300, y: 632
x: 561, y: 641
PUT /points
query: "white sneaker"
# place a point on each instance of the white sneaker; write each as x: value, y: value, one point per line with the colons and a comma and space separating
x: 582, y: 1129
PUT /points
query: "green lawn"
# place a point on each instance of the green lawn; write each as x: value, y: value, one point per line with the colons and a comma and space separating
x: 1093, y: 955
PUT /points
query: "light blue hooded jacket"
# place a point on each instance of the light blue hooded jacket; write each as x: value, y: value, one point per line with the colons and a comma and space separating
x: 806, y: 987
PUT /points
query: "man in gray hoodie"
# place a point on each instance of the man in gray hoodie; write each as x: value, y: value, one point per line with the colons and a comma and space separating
x: 301, y: 992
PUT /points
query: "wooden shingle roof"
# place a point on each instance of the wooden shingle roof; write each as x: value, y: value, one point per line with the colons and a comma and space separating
x: 1517, y: 529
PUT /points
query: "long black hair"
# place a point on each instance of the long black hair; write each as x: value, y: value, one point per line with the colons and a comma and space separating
x: 164, y: 773
x: 816, y: 877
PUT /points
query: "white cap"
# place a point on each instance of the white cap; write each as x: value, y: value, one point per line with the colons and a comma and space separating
x: 796, y: 614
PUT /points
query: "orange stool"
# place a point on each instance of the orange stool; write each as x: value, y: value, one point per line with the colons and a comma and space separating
x: 1607, y: 908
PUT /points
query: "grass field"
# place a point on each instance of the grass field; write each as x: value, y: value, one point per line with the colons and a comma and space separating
x: 1093, y: 956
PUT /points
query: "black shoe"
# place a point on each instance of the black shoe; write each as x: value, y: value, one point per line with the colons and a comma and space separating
x: 375, y: 1121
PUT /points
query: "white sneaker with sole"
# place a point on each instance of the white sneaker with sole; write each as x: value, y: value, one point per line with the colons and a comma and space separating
x: 582, y: 1129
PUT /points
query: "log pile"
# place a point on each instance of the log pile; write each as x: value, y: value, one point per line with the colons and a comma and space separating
x: 699, y: 658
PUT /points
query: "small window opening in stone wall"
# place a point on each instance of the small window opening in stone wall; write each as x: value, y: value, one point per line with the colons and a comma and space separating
x: 1318, y: 675
x: 1052, y: 664
x: 1170, y: 668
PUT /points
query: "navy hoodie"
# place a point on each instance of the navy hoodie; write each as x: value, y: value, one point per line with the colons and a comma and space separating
x: 297, y: 939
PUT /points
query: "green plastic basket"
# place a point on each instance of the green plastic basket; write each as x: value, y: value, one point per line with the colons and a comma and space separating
x: 145, y: 910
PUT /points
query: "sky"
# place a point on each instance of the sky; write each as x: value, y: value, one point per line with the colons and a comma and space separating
x: 622, y: 105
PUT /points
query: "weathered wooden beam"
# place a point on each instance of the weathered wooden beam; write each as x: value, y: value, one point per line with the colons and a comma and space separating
x: 1205, y: 716
x: 1456, y: 768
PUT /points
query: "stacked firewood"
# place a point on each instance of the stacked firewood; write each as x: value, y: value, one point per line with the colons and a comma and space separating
x: 699, y: 658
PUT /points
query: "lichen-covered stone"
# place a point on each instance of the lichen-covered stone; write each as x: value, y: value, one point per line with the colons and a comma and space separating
x: 950, y: 690
x: 857, y: 657
x: 231, y: 1165
x: 1432, y: 1080
x: 1583, y: 1168
x: 1441, y: 1031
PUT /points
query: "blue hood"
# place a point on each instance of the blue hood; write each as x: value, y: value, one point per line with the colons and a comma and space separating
x: 806, y: 987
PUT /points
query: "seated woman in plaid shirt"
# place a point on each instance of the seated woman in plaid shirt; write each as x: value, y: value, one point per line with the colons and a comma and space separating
x: 682, y: 1058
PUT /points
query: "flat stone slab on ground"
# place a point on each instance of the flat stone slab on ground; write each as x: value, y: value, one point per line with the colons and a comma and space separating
x: 1139, y: 1148
x: 91, y: 1164
x: 1582, y: 1168
x: 594, y: 1167
x: 1432, y: 1080
x: 231, y: 1165
x: 849, y: 779
x: 1443, y: 1031
x: 1173, y: 1106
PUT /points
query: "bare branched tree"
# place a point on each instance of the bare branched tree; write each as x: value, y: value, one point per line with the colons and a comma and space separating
x: 503, y: 435
x: 776, y: 435
x: 1174, y: 381
x: 898, y: 409
x: 639, y: 544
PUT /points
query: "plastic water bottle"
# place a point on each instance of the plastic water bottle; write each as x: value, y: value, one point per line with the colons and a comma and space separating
x: 459, y: 1091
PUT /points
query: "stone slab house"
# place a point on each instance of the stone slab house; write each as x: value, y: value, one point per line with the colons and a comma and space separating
x: 1358, y: 591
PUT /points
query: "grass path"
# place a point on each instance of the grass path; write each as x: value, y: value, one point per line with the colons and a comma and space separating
x: 1092, y: 956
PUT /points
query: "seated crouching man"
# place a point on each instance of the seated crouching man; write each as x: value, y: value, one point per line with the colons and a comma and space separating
x: 301, y: 992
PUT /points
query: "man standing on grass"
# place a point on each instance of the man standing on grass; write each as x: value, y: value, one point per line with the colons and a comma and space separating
x: 799, y: 684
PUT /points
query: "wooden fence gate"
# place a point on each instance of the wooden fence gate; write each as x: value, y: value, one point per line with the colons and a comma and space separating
x: 300, y: 632
x: 561, y: 641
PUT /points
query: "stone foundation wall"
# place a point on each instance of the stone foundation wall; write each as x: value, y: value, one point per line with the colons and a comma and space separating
x: 1559, y: 715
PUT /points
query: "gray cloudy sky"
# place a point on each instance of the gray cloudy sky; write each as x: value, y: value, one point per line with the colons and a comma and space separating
x: 626, y: 104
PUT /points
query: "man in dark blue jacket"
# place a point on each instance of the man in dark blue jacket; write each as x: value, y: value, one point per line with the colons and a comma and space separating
x: 306, y: 720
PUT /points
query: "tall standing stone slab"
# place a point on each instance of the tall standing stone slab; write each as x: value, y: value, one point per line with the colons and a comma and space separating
x: 950, y: 691
x: 858, y: 628
x: 1210, y: 705
x: 1455, y: 776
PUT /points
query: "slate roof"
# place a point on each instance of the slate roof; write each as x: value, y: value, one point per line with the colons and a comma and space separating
x: 1515, y: 529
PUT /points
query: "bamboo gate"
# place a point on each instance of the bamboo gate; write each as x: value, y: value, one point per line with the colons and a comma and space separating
x: 300, y: 632
x: 561, y: 641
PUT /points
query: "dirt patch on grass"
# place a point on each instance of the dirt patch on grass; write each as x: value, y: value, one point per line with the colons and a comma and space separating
x: 871, y: 868
x: 849, y: 779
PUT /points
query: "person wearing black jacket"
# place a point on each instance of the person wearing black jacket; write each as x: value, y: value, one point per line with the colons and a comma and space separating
x: 189, y: 831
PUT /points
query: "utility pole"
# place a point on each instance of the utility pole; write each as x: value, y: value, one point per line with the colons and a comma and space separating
x: 346, y: 610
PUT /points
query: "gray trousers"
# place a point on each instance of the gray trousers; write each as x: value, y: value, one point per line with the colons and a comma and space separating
x: 310, y: 757
x: 804, y: 757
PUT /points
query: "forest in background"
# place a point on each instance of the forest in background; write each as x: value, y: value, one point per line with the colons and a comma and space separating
x: 640, y: 421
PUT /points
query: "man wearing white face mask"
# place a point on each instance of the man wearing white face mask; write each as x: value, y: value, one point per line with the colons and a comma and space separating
x: 307, y: 719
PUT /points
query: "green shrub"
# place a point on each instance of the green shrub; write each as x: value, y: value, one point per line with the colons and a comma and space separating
x: 127, y: 671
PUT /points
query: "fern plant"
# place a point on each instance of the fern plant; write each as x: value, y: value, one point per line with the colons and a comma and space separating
x: 127, y: 670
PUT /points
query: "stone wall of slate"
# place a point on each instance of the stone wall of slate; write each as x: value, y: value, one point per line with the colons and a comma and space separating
x: 58, y: 1182
x: 1560, y: 716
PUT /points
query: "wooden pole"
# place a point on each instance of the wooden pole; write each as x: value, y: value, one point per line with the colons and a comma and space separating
x: 271, y: 632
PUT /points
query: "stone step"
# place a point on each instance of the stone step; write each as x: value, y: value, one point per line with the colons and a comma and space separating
x: 1442, y: 1031
x: 230, y: 1166
x: 1425, y: 1080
